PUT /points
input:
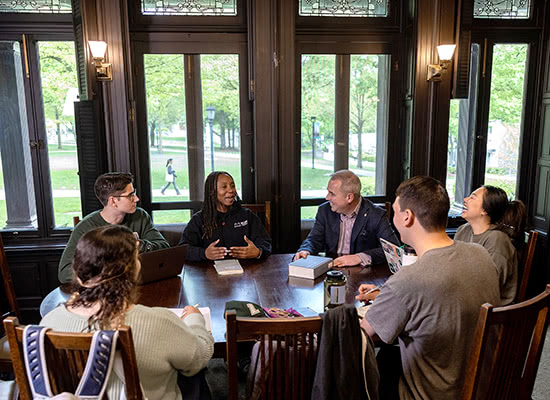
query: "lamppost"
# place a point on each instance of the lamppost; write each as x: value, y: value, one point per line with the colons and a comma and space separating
x: 210, y: 114
x: 315, y: 125
x: 312, y: 142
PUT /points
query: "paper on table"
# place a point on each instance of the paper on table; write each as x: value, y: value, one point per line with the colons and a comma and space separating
x: 205, y: 311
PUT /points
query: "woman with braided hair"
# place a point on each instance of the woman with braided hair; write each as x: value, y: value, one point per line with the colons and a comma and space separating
x: 498, y: 225
x: 105, y: 284
x: 223, y: 227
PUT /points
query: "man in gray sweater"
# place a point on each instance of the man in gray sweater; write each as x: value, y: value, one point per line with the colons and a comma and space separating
x: 431, y: 306
x: 115, y: 190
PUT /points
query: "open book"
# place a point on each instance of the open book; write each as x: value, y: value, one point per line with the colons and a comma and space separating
x: 205, y: 311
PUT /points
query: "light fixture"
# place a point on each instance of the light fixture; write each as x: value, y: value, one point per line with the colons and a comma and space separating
x: 210, y: 113
x: 103, y: 71
x: 445, y: 52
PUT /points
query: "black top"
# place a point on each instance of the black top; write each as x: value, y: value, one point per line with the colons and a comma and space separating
x: 231, y: 229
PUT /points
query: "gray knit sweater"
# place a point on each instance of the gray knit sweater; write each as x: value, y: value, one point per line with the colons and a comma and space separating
x: 503, y: 253
x: 164, y: 345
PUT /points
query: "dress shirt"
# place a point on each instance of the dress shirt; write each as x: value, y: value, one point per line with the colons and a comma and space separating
x: 344, y: 241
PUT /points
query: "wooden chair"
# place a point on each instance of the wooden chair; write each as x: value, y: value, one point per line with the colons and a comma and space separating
x: 387, y: 204
x: 66, y: 355
x: 8, y: 307
x: 506, y: 350
x: 524, y: 264
x: 262, y: 209
x: 287, y: 354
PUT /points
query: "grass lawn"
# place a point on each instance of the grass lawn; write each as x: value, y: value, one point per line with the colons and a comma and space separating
x: 65, y: 209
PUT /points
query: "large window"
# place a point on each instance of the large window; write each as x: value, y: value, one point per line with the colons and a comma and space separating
x: 485, y: 130
x: 192, y: 104
x: 344, y: 122
x: 40, y: 189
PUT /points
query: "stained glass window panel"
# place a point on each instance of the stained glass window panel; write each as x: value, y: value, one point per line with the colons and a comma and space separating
x: 36, y: 6
x: 344, y: 8
x: 502, y: 9
x: 189, y: 7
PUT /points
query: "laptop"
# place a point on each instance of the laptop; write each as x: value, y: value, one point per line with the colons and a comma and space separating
x: 162, y: 264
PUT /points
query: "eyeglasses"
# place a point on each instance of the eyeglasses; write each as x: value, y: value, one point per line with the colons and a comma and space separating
x: 130, y: 195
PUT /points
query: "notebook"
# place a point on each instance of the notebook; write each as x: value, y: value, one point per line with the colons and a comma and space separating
x: 205, y: 311
x: 395, y: 256
x: 162, y: 264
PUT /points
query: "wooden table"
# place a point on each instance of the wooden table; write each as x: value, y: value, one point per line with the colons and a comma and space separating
x: 264, y: 282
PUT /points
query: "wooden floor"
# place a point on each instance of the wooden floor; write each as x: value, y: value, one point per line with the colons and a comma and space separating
x: 542, y: 384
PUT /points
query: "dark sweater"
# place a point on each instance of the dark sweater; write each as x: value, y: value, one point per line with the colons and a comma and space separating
x: 150, y: 238
x: 231, y: 229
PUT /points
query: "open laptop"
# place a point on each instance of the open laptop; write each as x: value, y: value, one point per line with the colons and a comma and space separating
x: 162, y: 264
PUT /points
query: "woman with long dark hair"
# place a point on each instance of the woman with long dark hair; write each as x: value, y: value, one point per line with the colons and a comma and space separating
x: 222, y: 227
x: 106, y: 269
x: 498, y: 225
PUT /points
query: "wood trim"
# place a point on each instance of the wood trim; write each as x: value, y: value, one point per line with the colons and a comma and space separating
x: 286, y: 224
x: 341, y: 111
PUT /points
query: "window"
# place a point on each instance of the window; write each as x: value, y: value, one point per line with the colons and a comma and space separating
x: 344, y: 122
x: 189, y: 7
x: 193, y: 121
x: 344, y: 8
x: 502, y: 9
x: 494, y: 109
x: 38, y: 89
x: 36, y: 7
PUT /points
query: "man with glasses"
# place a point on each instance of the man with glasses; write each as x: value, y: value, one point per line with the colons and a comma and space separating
x: 115, y: 190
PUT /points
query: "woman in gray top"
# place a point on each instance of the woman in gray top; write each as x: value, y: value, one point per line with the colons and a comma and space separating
x: 497, y: 224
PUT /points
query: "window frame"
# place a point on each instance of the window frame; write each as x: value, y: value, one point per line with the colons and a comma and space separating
x: 191, y: 44
x: 350, y: 45
x: 144, y: 23
x: 43, y: 190
x: 526, y: 148
x: 351, y: 24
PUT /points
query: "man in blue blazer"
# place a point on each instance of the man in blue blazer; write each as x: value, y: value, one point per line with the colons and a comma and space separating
x: 348, y: 226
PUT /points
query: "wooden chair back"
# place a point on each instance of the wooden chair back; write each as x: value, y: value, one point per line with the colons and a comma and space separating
x: 76, y: 220
x: 8, y: 306
x: 506, y: 350
x: 262, y: 209
x: 66, y: 355
x: 287, y: 354
x: 387, y: 204
x: 525, y: 261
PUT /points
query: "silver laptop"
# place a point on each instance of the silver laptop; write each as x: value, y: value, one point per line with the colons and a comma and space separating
x: 162, y: 264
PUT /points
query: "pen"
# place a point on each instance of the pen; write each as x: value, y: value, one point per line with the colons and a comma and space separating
x: 196, y: 305
x: 374, y: 289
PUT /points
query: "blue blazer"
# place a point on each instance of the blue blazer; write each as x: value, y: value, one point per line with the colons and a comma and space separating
x: 370, y: 225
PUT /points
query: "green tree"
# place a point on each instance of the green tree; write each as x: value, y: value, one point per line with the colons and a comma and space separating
x: 363, y: 98
x: 165, y: 88
x: 57, y: 76
x: 220, y: 89
x: 318, y: 88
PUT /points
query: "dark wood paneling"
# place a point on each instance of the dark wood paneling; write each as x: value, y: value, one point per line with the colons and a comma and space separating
x: 286, y: 228
x: 34, y: 274
x: 92, y: 155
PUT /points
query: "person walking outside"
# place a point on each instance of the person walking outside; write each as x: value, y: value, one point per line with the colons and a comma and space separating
x: 170, y: 177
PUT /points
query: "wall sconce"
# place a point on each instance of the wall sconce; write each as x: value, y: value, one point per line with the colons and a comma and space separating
x: 445, y: 52
x: 103, y: 71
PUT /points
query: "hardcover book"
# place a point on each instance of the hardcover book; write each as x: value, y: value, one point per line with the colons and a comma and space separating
x: 228, y: 267
x: 310, y: 267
